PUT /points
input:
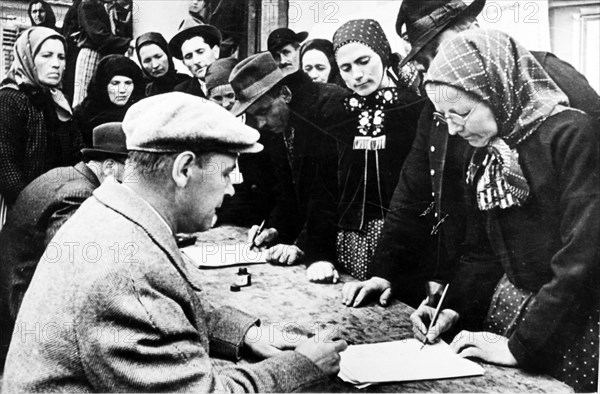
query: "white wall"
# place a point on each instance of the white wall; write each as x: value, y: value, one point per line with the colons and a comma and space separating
x: 526, y: 20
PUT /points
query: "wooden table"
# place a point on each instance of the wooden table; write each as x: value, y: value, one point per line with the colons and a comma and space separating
x: 283, y: 296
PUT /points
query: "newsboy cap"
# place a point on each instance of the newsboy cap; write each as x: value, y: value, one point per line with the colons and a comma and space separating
x: 252, y: 78
x: 108, y: 140
x: 176, y: 122
x: 282, y: 37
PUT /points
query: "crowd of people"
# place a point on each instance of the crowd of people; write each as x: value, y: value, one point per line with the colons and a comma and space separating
x: 470, y: 161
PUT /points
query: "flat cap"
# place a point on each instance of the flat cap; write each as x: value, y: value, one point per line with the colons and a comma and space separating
x: 175, y: 122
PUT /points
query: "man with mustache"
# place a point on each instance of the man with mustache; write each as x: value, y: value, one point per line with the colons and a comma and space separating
x: 284, y: 45
x: 197, y: 46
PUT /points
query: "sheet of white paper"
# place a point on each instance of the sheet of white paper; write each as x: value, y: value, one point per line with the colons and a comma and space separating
x: 217, y: 255
x: 403, y: 361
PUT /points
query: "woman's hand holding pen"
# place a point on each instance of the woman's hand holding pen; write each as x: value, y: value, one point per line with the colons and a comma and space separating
x: 446, y: 319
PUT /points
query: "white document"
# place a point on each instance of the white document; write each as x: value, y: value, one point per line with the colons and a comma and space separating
x: 217, y: 255
x: 403, y: 360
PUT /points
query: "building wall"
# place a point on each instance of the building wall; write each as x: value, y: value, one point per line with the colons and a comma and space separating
x: 575, y: 36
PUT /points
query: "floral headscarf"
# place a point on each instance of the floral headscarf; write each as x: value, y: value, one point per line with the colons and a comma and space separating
x: 23, y: 72
x: 497, y: 70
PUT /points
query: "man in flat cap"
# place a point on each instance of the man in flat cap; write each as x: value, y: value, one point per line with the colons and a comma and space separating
x: 197, y: 46
x: 423, y: 233
x: 42, y: 208
x: 284, y: 45
x: 295, y: 116
x: 118, y: 308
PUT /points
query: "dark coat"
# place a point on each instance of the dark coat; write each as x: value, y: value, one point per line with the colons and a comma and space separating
x: 130, y: 315
x: 41, y: 209
x: 307, y: 182
x: 359, y: 202
x: 96, y: 31
x: 32, y: 139
x: 190, y: 86
x: 410, y: 250
x: 549, y: 246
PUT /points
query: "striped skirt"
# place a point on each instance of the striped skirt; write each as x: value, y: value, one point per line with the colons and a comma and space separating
x: 87, y: 62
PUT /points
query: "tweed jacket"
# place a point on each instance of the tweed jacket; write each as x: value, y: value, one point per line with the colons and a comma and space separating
x: 41, y: 209
x: 32, y: 139
x: 424, y: 233
x: 126, y: 313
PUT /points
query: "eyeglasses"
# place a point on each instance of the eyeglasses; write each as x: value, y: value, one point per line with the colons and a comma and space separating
x: 459, y: 120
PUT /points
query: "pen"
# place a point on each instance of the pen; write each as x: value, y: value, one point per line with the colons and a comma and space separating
x: 435, y: 314
x: 260, y: 229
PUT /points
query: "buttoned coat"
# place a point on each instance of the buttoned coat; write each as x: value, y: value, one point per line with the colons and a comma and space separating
x: 113, y: 307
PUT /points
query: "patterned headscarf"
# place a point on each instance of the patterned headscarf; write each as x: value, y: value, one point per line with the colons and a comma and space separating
x: 367, y: 32
x: 23, y: 69
x: 497, y: 70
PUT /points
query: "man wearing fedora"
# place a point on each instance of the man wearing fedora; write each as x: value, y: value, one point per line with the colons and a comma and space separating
x: 197, y: 46
x: 294, y: 115
x: 423, y: 233
x: 42, y: 208
x: 284, y: 45
x: 121, y: 311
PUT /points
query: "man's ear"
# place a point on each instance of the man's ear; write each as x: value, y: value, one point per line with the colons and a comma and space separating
x: 182, y: 166
x: 108, y: 168
x: 286, y: 93
x: 217, y: 51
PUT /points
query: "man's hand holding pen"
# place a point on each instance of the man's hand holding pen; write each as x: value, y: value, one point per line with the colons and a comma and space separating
x: 261, y: 237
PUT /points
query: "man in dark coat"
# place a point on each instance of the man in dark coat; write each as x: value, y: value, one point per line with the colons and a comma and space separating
x: 42, y: 208
x: 424, y: 233
x: 197, y: 46
x: 293, y: 115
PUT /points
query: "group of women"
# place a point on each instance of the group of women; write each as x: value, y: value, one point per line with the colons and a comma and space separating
x: 534, y: 167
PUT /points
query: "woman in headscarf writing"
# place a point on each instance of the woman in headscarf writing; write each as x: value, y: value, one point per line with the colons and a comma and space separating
x: 533, y: 190
x: 37, y: 133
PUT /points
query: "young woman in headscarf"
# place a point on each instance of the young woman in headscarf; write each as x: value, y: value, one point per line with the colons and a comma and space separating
x: 373, y: 143
x: 318, y: 62
x: 117, y: 84
x: 41, y: 14
x: 533, y: 193
x: 37, y: 132
x: 157, y: 64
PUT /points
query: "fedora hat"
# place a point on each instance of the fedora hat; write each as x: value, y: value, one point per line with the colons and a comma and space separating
x: 252, y: 78
x: 282, y: 37
x: 421, y: 21
x: 189, y: 28
x: 108, y: 139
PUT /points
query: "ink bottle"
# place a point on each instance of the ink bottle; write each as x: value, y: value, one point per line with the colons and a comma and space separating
x: 243, y: 278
